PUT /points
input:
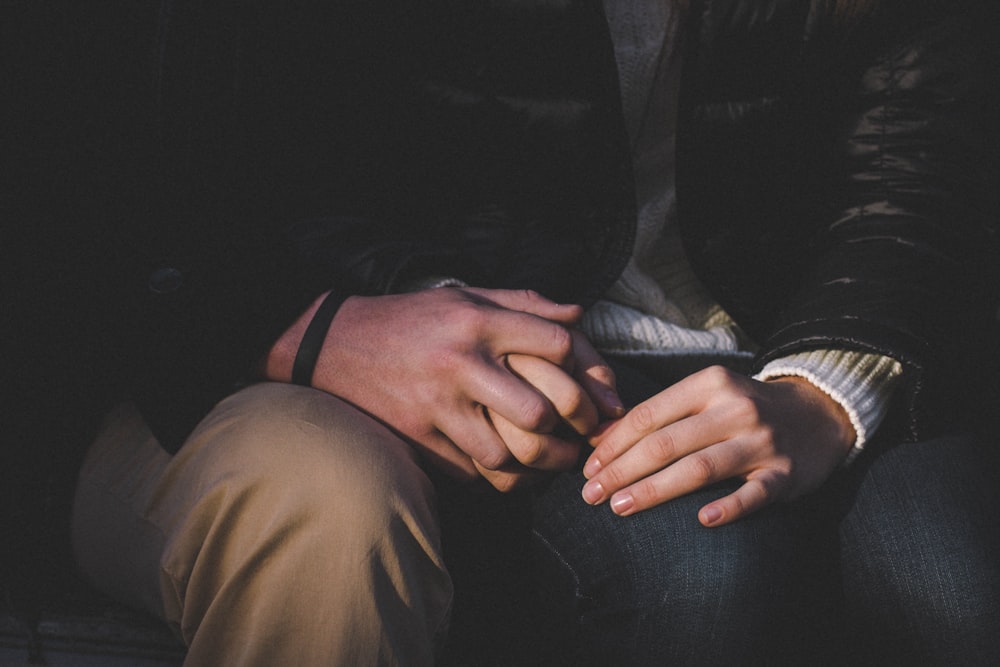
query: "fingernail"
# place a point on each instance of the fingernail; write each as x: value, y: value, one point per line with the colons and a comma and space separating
x: 593, y: 492
x: 592, y: 467
x: 622, y: 504
x: 614, y: 403
x: 710, y: 515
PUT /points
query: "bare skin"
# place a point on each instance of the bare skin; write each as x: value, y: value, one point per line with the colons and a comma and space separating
x: 783, y: 438
x: 577, y: 399
x: 482, y: 378
x: 440, y: 367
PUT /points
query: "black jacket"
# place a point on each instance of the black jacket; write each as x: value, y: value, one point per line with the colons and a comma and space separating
x: 836, y: 179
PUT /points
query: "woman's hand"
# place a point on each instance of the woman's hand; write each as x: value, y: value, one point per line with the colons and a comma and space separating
x: 783, y: 438
x: 583, y: 395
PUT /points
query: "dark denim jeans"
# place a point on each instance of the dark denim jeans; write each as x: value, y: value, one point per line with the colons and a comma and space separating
x: 896, y: 562
x: 657, y: 588
x: 919, y: 550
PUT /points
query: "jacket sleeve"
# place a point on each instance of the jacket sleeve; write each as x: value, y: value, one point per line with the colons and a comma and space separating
x: 257, y: 178
x: 905, y: 262
x: 357, y: 146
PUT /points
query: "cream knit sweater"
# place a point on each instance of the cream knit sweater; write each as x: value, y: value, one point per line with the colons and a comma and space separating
x: 658, y: 308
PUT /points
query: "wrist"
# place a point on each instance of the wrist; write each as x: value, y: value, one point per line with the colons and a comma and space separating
x: 313, y: 339
x: 279, y: 363
x: 862, y: 383
x: 838, y: 425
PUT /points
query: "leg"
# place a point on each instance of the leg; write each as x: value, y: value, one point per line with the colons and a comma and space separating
x: 586, y: 587
x: 289, y: 530
x: 921, y: 554
x: 659, y: 588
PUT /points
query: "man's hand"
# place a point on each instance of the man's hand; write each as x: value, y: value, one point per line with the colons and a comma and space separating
x: 433, y: 365
x: 783, y: 438
x: 581, y: 400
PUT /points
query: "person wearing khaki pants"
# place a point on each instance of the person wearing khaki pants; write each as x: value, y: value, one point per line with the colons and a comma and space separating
x: 287, y: 514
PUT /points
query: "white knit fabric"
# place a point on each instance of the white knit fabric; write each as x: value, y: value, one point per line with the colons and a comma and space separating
x: 658, y: 308
x: 862, y: 383
x: 618, y: 329
x: 647, y: 48
x: 657, y: 305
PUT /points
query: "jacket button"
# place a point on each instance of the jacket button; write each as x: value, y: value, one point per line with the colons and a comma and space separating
x: 165, y: 280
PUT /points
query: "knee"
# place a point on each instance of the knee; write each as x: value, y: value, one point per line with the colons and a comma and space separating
x: 300, y: 502
x: 922, y: 522
x: 659, y: 587
x: 740, y: 571
x: 293, y: 451
x: 921, y: 568
x: 292, y: 472
x: 919, y: 550
x: 924, y: 603
x: 724, y: 595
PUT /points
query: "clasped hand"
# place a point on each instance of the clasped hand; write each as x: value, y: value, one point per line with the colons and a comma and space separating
x: 479, y: 380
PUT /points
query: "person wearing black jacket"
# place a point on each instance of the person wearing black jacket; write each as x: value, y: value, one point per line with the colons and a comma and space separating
x: 796, y: 197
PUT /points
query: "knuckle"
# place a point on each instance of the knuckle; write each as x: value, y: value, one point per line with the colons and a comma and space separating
x: 644, y: 491
x: 703, y: 469
x: 468, y: 319
x: 745, y: 409
x: 664, y: 446
x: 530, y: 451
x: 613, y: 478
x: 602, y: 373
x: 495, y: 458
x: 737, y: 506
x: 535, y: 414
x: 641, y: 418
x: 767, y: 493
x: 503, y: 482
x: 607, y: 451
x: 562, y: 341
x: 717, y: 376
x: 573, y: 405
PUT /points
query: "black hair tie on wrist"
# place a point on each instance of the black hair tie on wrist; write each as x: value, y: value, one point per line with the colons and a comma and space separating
x: 312, y: 339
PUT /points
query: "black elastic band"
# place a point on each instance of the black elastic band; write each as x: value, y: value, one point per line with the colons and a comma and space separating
x: 312, y: 339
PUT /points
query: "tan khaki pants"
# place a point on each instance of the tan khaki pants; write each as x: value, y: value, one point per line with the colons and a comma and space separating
x: 290, y: 529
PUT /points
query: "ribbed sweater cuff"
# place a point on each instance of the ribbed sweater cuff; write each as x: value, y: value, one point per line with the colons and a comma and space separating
x: 860, y: 382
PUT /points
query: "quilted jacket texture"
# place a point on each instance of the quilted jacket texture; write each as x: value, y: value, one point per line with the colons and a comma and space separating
x: 229, y: 161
